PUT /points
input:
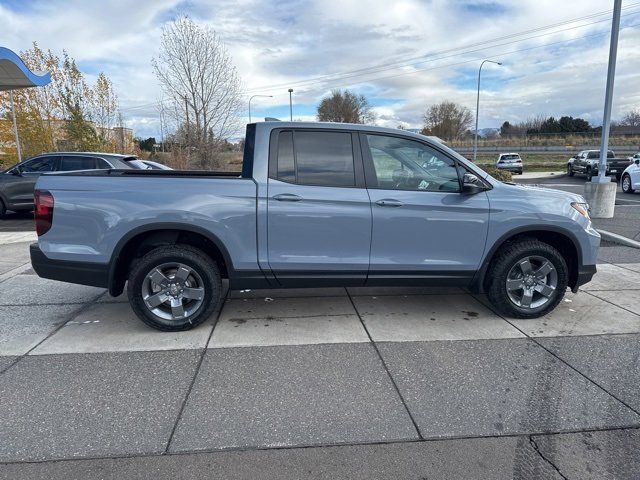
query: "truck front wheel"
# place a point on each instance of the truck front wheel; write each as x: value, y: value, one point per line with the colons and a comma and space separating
x: 174, y: 288
x: 528, y: 278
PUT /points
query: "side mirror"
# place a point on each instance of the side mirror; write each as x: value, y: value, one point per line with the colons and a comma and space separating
x: 16, y: 171
x: 471, y: 184
x: 637, y: 161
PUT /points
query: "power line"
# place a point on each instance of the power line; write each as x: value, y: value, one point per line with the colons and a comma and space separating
x: 400, y: 64
x: 411, y: 61
x: 309, y: 82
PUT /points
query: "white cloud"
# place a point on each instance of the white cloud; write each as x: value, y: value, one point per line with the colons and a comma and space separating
x: 284, y: 42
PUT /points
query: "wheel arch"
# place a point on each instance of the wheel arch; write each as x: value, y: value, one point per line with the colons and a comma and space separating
x: 143, y: 239
x: 563, y: 240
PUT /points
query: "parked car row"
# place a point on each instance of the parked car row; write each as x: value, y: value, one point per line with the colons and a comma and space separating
x: 17, y: 183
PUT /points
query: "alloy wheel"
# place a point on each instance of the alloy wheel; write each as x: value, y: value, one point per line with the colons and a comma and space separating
x: 532, y: 282
x: 173, y: 291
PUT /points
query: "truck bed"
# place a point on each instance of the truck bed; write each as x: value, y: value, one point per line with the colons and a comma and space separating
x: 93, y: 214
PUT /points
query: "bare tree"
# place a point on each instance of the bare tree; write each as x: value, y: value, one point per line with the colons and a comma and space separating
x: 447, y: 120
x: 196, y: 71
x: 345, y: 107
x: 631, y: 118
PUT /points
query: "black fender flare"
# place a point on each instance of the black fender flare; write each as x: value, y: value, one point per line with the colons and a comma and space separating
x: 477, y: 284
x: 116, y: 289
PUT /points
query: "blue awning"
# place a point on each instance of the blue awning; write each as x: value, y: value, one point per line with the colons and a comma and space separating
x: 14, y: 74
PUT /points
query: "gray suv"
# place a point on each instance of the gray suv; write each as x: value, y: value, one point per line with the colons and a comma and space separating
x: 17, y: 183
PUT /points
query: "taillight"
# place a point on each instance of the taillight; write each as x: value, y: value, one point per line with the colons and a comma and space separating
x: 44, y: 211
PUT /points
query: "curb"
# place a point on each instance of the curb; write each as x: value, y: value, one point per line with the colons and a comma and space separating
x: 619, y: 239
x: 542, y: 176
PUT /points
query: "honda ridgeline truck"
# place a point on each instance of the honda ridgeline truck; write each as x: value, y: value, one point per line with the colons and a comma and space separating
x: 316, y: 205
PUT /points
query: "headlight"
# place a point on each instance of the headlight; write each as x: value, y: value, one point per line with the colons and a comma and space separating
x: 581, y: 208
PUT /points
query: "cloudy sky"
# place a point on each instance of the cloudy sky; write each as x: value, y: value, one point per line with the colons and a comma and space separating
x: 402, y: 54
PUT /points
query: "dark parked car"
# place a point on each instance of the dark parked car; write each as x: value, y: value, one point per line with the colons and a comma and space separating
x: 17, y: 183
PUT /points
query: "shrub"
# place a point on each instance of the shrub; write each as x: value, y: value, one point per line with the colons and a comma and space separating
x: 502, y: 175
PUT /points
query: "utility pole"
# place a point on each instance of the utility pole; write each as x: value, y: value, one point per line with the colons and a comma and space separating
x: 475, y: 140
x: 290, y: 104
x: 15, y: 126
x: 600, y: 191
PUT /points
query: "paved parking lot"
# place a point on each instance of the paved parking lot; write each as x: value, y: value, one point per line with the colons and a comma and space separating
x: 326, y: 383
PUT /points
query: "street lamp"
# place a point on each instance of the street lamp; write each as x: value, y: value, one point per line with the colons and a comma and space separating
x: 254, y: 96
x: 475, y: 141
x: 290, y: 104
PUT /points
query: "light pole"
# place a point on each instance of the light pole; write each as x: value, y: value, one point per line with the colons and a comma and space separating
x: 290, y: 104
x: 254, y: 96
x: 475, y: 141
x: 600, y: 192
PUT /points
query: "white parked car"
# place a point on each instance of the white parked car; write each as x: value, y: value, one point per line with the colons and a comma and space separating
x: 509, y: 161
x: 631, y: 176
x: 634, y: 157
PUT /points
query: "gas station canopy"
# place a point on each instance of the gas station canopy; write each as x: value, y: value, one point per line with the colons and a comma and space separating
x: 15, y: 75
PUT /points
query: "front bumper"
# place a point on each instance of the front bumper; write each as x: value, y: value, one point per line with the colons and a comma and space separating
x: 83, y: 273
x: 585, y: 274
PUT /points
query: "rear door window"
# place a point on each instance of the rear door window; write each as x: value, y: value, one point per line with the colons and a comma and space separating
x: 77, y: 163
x: 316, y: 158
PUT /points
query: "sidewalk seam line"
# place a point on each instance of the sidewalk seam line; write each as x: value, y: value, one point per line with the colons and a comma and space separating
x: 71, y: 316
x: 195, y: 376
x: 537, y: 449
x: 327, y: 445
x: 386, y: 369
x: 534, y: 340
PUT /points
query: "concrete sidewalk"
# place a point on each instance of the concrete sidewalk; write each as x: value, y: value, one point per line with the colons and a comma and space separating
x: 340, y: 383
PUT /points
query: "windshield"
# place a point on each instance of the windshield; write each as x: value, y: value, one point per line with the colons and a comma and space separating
x: 140, y: 165
x: 510, y: 157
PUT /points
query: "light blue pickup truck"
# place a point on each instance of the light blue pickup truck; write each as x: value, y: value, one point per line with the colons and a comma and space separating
x: 316, y: 205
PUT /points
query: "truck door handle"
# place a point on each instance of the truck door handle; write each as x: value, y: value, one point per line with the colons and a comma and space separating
x: 287, y: 197
x: 389, y: 202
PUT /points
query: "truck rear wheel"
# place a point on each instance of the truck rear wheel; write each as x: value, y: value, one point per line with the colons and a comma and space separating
x: 174, y: 288
x: 528, y: 279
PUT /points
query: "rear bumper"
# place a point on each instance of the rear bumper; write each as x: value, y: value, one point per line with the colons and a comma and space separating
x: 510, y: 168
x: 84, y: 273
x: 585, y: 274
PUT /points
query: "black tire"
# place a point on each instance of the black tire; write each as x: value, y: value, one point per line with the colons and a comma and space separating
x: 618, y: 177
x: 3, y: 209
x: 629, y: 188
x: 206, y: 271
x: 570, y: 171
x: 503, y: 263
x: 588, y: 173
